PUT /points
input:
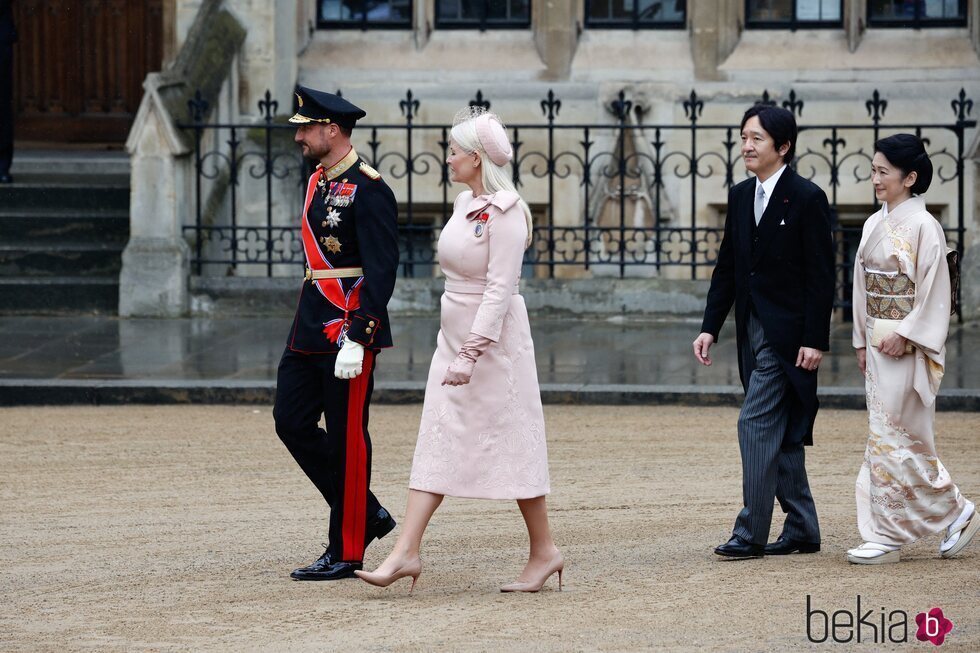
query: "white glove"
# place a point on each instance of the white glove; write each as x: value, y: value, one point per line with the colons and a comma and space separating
x: 349, y: 360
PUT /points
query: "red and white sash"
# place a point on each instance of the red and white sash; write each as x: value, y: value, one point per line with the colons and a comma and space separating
x: 331, y: 289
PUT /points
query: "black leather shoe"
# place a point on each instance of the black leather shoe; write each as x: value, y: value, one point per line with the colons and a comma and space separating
x: 6, y: 179
x: 784, y: 546
x: 378, y: 526
x: 325, y: 568
x: 321, y: 563
x: 333, y: 571
x: 739, y: 548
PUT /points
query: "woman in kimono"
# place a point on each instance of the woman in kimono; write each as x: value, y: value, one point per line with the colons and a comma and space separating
x: 482, y: 430
x: 901, y: 317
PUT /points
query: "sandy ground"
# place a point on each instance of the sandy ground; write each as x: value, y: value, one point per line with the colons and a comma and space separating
x: 175, y: 528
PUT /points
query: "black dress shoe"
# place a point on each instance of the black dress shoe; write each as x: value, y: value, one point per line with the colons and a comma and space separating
x: 321, y: 563
x: 333, y: 571
x: 784, y: 546
x: 739, y: 548
x: 6, y: 179
x: 378, y: 526
x: 326, y: 568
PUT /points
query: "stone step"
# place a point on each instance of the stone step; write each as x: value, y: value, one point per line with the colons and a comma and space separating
x: 80, y: 193
x: 59, y: 227
x: 59, y: 296
x: 34, y: 162
x: 67, y: 259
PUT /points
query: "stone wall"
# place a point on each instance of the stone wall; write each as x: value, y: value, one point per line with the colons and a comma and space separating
x: 834, y: 70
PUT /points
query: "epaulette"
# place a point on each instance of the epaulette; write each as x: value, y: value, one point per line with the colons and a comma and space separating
x: 369, y: 172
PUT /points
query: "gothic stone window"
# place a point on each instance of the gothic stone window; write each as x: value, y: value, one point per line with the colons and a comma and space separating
x: 793, y: 14
x: 917, y: 13
x: 483, y: 14
x: 364, y: 14
x: 635, y: 14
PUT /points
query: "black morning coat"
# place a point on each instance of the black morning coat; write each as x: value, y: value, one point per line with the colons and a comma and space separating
x: 784, y: 268
x: 367, y: 236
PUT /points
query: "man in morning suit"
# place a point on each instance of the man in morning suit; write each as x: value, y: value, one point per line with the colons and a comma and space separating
x: 350, y: 239
x: 776, y: 265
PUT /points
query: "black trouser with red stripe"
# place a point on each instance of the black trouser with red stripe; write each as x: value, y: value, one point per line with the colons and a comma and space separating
x: 337, y: 460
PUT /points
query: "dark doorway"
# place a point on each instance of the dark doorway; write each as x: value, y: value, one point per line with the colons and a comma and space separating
x: 79, y: 67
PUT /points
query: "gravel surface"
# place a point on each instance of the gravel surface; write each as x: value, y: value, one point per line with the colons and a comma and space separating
x: 175, y: 528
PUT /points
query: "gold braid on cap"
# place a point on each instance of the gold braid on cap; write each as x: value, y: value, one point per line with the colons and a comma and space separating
x: 300, y: 119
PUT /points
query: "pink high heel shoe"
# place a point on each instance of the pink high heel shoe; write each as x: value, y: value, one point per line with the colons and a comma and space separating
x: 412, y: 568
x: 557, y: 565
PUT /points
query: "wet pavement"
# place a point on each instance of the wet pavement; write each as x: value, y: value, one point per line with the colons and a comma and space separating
x: 604, y: 360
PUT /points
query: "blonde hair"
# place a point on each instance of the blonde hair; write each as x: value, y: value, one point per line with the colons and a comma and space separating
x: 495, y: 178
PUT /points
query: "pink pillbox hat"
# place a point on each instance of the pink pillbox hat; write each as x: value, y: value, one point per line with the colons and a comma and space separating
x: 493, y: 138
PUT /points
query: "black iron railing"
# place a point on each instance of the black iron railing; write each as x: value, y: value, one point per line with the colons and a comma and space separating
x: 641, y: 194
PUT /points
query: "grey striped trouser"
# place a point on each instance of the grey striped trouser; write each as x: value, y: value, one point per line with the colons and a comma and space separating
x: 772, y: 465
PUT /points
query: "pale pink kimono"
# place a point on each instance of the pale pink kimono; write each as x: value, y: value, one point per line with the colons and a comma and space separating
x: 903, y: 490
x: 485, y: 439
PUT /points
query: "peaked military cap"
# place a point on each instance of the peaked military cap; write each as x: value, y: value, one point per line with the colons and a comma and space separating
x: 317, y: 106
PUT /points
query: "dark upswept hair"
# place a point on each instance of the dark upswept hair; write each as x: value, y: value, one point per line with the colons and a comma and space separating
x: 907, y: 153
x: 778, y: 123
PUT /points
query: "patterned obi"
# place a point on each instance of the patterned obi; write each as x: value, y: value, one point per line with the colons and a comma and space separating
x: 890, y: 294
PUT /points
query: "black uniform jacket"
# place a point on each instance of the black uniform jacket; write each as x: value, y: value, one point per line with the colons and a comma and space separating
x: 354, y: 225
x: 784, y: 268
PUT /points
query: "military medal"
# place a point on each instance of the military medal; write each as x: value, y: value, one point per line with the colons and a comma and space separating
x: 333, y: 218
x: 324, y: 190
x: 333, y: 245
x: 480, y: 222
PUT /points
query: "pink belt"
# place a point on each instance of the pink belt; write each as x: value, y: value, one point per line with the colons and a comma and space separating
x: 470, y: 287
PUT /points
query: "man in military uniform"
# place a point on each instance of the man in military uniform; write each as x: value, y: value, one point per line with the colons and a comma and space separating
x: 350, y: 239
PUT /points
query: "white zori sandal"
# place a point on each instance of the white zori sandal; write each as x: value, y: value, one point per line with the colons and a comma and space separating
x: 960, y: 532
x: 872, y: 553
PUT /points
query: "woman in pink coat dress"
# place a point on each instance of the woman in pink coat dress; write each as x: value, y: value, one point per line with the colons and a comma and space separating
x: 482, y: 430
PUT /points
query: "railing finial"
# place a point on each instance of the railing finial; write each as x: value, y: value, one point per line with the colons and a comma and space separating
x: 693, y: 107
x: 409, y: 106
x: 962, y: 106
x: 621, y: 107
x: 478, y: 101
x: 197, y: 106
x: 793, y: 104
x: 765, y: 99
x: 268, y: 106
x: 550, y: 106
x: 876, y: 107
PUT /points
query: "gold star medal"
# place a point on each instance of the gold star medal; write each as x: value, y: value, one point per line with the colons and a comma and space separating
x: 333, y: 218
x: 333, y: 245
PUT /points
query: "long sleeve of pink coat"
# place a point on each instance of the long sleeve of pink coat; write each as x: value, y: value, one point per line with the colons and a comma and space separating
x: 507, y: 233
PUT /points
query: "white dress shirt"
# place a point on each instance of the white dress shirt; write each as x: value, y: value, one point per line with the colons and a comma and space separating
x: 768, y: 186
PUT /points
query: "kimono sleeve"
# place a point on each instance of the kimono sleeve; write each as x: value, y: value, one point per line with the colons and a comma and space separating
x: 927, y: 325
